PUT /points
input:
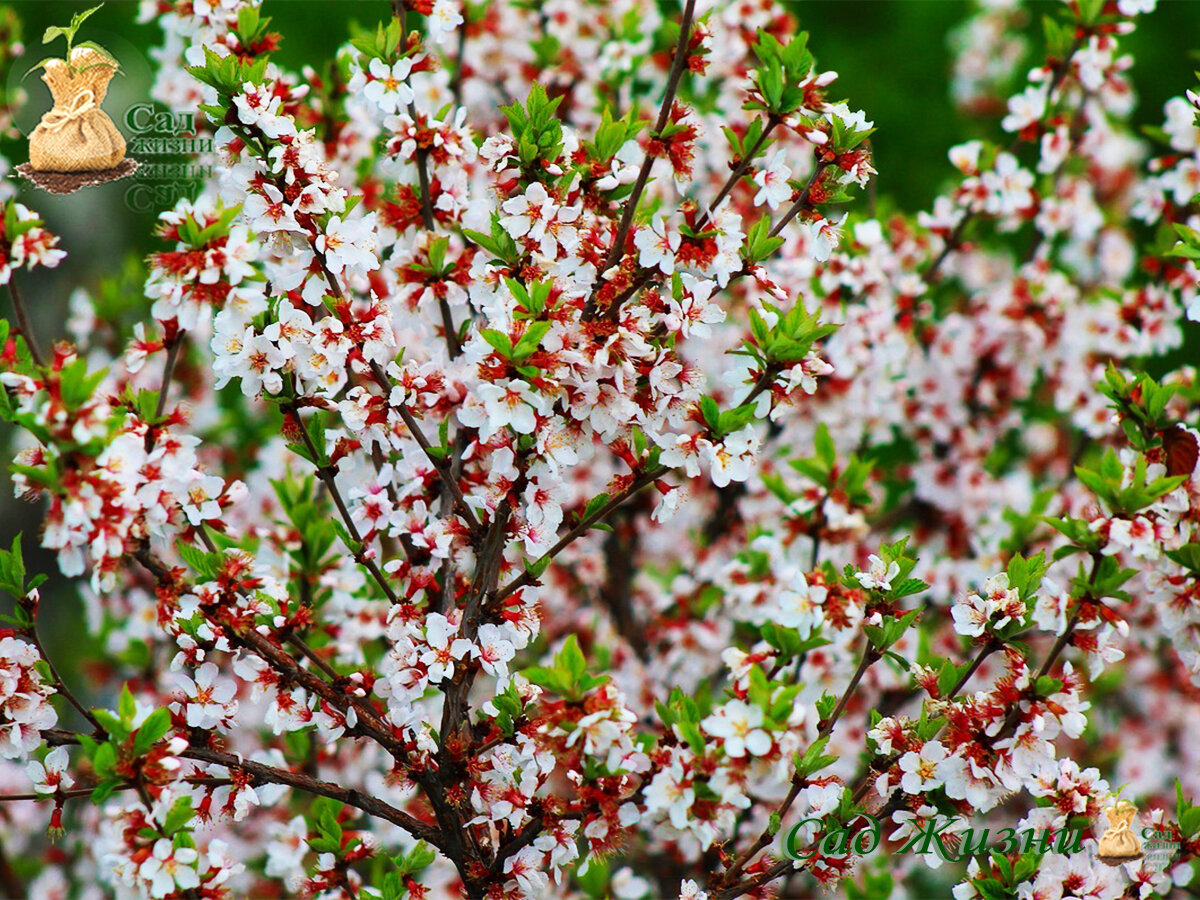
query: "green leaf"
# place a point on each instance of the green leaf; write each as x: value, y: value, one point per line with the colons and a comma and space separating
x: 126, y: 706
x: 420, y: 857
x: 40, y: 64
x: 157, y: 724
x: 180, y: 815
x: 499, y: 340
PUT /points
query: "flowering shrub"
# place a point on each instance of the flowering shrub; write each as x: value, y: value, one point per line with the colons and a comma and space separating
x: 531, y: 469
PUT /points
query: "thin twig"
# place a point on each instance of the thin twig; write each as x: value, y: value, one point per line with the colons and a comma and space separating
x: 870, y: 656
x: 273, y: 775
x: 678, y: 63
x: 525, y: 578
x: 23, y: 320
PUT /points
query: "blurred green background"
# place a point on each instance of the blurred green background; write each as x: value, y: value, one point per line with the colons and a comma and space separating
x: 892, y: 58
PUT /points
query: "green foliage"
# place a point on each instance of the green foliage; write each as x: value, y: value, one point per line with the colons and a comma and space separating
x: 204, y: 563
x: 568, y: 677
x: 814, y: 759
x: 12, y: 572
x: 1141, y: 403
x: 385, y: 42
x: 127, y: 741
x: 789, y: 340
x: 68, y: 32
x: 822, y: 468
x: 1187, y: 812
x: 682, y: 714
x: 875, y: 886
x: 777, y: 701
x: 780, y: 70
x: 886, y: 635
x: 1025, y: 574
x: 326, y: 834
x: 1187, y: 556
x: 535, y: 127
x: 251, y: 27
x: 314, y: 426
x: 1106, y: 482
x: 725, y: 422
x: 759, y: 243
x: 498, y: 243
x: 611, y: 135
x: 531, y: 300
x: 227, y: 75
x: 788, y: 642
x: 509, y: 708
x: 1104, y: 580
x: 314, y: 526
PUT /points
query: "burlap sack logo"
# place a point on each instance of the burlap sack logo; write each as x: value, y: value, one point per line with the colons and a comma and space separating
x: 76, y: 144
x: 1119, y: 844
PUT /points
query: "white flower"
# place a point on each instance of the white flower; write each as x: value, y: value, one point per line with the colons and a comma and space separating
x: 268, y: 211
x: 169, y: 869
x: 879, y: 574
x: 527, y: 869
x: 528, y: 213
x: 208, y: 701
x: 349, y: 245
x: 256, y: 363
x: 739, y: 724
x: 1025, y: 108
x: 671, y: 791
x: 923, y: 771
x: 1009, y: 187
x: 444, y: 647
x: 203, y: 493
x: 388, y: 86
x: 772, y: 181
x: 444, y: 19
x: 51, y: 774
x: 823, y: 236
x: 657, y: 247
x: 255, y: 102
x: 822, y: 799
x: 800, y: 607
x: 732, y: 459
x: 494, y: 406
x: 971, y: 615
x: 494, y: 650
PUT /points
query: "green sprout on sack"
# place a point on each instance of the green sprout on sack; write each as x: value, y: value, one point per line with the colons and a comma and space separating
x: 55, y: 31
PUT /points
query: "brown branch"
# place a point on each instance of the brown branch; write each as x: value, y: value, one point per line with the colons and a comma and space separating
x: 59, y: 684
x: 442, y: 466
x: 173, y: 347
x: 10, y: 881
x: 23, y: 324
x: 870, y: 656
x: 678, y: 63
x: 741, y: 169
x: 264, y: 773
x: 328, y: 476
x: 525, y: 578
x: 802, y: 202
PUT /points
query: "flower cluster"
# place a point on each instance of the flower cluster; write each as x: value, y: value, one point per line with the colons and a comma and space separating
x: 529, y: 467
x: 24, y: 242
x: 25, y: 707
